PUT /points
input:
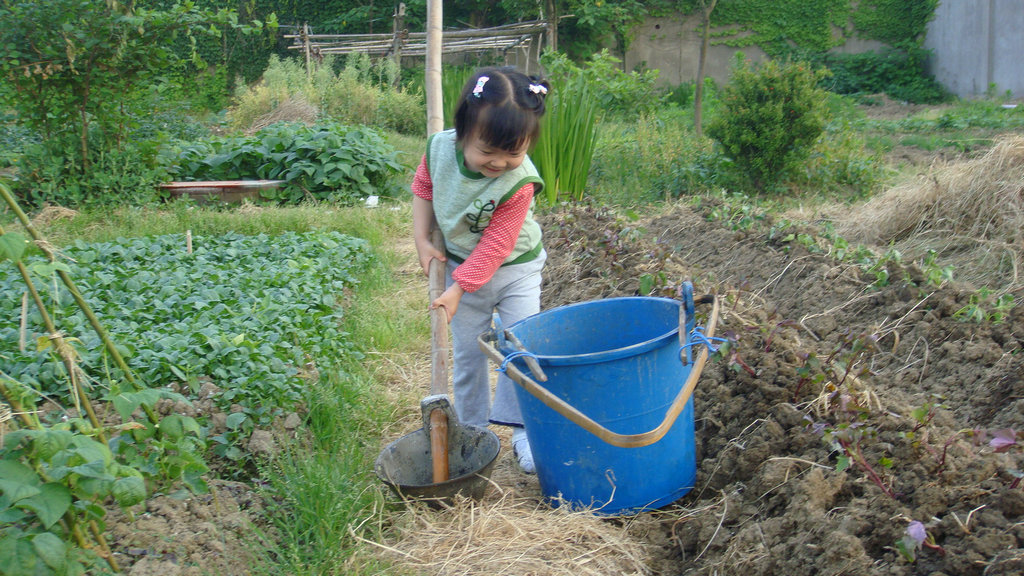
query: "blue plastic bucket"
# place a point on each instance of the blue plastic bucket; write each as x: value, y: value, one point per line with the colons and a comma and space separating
x: 619, y: 362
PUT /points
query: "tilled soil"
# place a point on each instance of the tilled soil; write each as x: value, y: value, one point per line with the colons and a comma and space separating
x: 838, y: 413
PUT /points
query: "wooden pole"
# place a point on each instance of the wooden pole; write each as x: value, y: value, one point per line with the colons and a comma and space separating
x: 398, y: 39
x: 305, y: 38
x: 435, y: 109
x: 439, y: 319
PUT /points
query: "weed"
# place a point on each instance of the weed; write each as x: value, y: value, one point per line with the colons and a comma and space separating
x: 981, y: 307
x: 935, y: 274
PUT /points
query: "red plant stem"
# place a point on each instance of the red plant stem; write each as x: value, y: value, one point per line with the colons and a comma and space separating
x: 854, y: 452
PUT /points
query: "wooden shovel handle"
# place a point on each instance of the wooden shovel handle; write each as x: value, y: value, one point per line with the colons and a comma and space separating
x: 439, y: 445
x: 439, y: 363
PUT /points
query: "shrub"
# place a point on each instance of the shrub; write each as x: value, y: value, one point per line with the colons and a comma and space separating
x: 898, y: 72
x: 48, y: 174
x: 615, y: 91
x: 769, y: 118
x: 361, y: 92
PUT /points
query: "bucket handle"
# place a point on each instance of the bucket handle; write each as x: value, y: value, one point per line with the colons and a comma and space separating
x: 486, y: 342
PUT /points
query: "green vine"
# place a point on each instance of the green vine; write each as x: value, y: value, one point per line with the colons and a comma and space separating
x: 894, y: 22
x: 780, y: 26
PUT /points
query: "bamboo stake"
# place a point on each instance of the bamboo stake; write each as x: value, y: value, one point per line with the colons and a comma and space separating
x: 64, y: 350
x: 82, y: 304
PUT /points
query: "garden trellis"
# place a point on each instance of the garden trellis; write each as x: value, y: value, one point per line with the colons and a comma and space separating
x: 522, y: 38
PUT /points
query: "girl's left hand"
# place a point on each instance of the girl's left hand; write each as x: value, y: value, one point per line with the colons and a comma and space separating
x: 449, y: 300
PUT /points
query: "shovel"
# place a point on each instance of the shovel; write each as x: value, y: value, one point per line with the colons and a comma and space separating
x: 445, y: 457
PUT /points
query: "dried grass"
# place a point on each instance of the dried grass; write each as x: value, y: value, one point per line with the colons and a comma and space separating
x: 970, y: 211
x: 512, y: 535
x: 50, y: 214
x: 294, y: 109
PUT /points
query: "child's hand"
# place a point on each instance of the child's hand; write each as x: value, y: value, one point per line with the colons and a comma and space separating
x: 449, y: 300
x: 426, y: 252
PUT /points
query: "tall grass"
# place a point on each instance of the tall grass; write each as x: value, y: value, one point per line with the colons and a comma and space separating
x: 324, y: 482
x: 565, y: 148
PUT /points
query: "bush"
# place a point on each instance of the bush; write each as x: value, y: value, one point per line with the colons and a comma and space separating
x: 899, y: 73
x: 48, y: 174
x: 770, y: 117
x: 361, y: 92
x: 615, y: 91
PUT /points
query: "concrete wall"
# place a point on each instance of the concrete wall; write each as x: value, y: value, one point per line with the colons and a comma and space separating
x: 974, y: 43
x: 978, y: 43
x: 672, y: 46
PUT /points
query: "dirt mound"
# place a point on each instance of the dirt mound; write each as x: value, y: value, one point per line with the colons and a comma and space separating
x: 840, y: 412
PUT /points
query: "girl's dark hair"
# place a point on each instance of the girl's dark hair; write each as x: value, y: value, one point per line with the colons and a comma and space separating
x: 505, y: 111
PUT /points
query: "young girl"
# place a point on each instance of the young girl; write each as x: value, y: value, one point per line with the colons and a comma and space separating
x: 478, y: 184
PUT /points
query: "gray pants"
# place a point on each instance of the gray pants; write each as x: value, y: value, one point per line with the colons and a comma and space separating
x: 514, y: 292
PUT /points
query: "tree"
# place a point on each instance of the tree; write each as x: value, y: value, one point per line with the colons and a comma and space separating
x: 73, y: 69
x: 698, y: 94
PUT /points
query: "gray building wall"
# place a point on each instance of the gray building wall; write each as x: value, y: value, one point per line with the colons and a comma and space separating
x: 672, y: 46
x: 976, y: 44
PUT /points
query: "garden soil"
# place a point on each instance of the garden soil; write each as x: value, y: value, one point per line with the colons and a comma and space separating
x: 840, y: 413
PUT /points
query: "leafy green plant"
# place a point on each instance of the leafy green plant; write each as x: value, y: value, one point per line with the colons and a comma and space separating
x: 325, y: 162
x: 770, y: 117
x: 936, y: 274
x: 982, y: 307
x: 59, y: 465
x: 245, y: 311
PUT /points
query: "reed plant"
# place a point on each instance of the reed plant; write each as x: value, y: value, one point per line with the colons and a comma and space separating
x: 564, y: 151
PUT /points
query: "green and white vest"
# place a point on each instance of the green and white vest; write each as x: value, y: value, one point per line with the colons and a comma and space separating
x: 464, y: 201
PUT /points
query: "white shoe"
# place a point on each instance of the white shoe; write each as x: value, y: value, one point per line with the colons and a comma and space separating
x: 522, y: 452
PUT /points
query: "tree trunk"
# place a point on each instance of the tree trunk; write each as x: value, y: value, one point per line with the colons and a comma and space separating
x: 552, y: 18
x: 698, y: 94
x: 84, y: 136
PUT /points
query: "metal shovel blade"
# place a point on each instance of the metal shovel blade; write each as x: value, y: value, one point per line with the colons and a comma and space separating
x: 406, y: 465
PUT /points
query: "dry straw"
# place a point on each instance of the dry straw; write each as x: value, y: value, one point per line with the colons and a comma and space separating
x: 515, y: 536
x: 970, y: 211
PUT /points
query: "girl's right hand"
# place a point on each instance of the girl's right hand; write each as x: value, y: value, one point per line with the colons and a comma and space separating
x: 426, y: 252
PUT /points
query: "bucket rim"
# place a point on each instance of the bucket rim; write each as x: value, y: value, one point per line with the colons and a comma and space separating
x: 602, y: 355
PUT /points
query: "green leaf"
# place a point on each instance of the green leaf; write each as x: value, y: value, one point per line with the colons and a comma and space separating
x: 172, y: 427
x: 842, y: 463
x: 52, y: 501
x: 12, y: 246
x: 235, y: 419
x: 18, y: 555
x: 17, y: 481
x: 128, y: 402
x: 49, y: 442
x: 51, y: 550
x: 129, y: 491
